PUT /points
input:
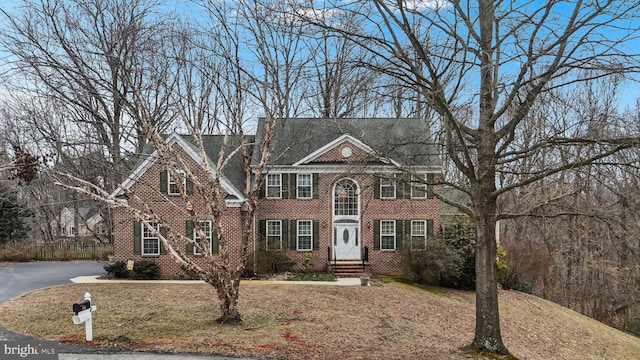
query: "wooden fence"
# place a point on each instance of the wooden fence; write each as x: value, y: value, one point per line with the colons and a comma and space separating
x: 55, y: 251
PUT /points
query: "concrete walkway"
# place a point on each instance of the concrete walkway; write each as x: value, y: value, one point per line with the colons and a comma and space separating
x: 95, y: 280
x: 144, y: 356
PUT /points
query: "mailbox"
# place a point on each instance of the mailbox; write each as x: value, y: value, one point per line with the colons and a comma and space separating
x: 81, y: 317
x: 82, y: 314
x: 81, y: 306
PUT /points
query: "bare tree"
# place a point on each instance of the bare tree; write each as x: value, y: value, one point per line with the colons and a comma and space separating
x: 210, y: 89
x: 78, y: 53
x: 497, y: 59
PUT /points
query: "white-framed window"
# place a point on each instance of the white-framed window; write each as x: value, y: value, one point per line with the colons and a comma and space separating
x: 150, y: 239
x: 274, y: 186
x: 418, y: 186
x: 345, y: 198
x: 305, y: 235
x: 418, y: 234
x: 173, y: 182
x: 274, y: 235
x: 387, y: 234
x: 387, y: 188
x: 206, y: 227
x: 305, y: 186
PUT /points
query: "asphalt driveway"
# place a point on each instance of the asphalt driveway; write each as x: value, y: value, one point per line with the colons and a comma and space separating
x: 19, y: 278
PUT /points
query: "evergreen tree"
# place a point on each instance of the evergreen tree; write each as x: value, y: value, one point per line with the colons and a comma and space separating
x: 12, y: 215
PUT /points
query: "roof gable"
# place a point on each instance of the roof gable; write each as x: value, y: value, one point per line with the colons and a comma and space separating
x: 401, y: 142
x: 343, y: 149
x: 192, y: 150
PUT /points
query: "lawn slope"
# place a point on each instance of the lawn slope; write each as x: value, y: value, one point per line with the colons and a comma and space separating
x: 287, y: 321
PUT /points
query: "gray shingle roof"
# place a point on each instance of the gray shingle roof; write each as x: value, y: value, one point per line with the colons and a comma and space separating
x: 406, y: 141
x: 233, y: 170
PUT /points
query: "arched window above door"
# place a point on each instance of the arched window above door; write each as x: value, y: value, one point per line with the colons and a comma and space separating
x: 345, y: 198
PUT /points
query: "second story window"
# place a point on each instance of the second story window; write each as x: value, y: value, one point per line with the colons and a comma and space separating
x: 305, y: 186
x: 387, y: 188
x: 345, y: 198
x: 173, y: 188
x: 418, y: 186
x: 274, y: 186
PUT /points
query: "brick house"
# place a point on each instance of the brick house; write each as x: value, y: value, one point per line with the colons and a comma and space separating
x: 353, y: 193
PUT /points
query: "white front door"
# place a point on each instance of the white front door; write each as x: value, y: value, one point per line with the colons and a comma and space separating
x: 346, y: 241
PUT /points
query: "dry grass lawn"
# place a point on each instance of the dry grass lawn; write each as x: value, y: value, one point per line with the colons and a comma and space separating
x: 287, y: 321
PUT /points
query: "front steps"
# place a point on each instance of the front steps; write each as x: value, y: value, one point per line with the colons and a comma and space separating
x: 347, y: 268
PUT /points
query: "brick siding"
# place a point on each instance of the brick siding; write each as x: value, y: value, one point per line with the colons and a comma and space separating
x: 170, y: 209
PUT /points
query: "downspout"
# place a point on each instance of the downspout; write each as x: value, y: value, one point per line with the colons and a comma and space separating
x: 255, y: 256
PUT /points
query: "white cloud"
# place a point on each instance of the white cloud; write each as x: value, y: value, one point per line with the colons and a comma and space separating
x: 417, y: 5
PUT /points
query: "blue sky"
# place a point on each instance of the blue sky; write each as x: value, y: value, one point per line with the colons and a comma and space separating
x: 627, y: 96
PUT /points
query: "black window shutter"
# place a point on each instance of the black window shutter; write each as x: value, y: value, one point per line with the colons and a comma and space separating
x: 215, y: 241
x: 137, y: 238
x: 293, y: 179
x: 399, y: 234
x: 404, y: 183
x: 407, y: 231
x: 263, y: 189
x: 376, y: 235
x: 316, y: 235
x: 430, y: 229
x: 164, y: 182
x: 262, y: 233
x: 189, y: 186
x: 163, y: 233
x: 188, y: 225
x: 316, y: 193
x: 293, y: 239
x: 284, y: 182
x: 285, y: 232
x: 430, y: 179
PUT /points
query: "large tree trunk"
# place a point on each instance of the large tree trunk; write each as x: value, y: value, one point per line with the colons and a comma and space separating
x: 228, y: 293
x: 487, y: 331
x: 484, y: 197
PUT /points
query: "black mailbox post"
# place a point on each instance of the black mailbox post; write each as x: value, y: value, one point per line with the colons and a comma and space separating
x: 81, y: 305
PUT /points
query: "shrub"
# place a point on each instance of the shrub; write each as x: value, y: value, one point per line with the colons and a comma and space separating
x: 437, y: 262
x: 503, y: 272
x: 459, y: 235
x: 117, y: 270
x: 307, y: 263
x: 311, y: 276
x: 147, y: 270
x: 523, y: 286
x: 272, y: 262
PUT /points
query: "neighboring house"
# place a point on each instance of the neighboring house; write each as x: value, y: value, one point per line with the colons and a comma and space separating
x: 350, y: 192
x: 87, y: 222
